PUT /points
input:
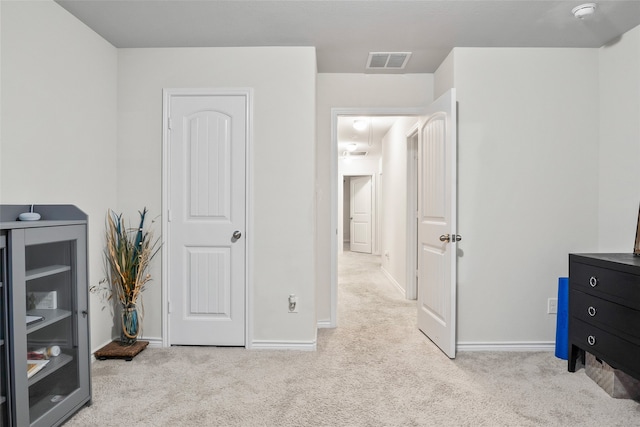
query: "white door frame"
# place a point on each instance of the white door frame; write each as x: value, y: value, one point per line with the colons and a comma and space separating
x: 335, y: 113
x: 248, y: 235
x: 411, y: 291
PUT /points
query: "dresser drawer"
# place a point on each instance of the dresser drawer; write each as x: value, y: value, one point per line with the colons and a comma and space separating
x: 617, y: 352
x: 621, y: 287
x: 605, y: 314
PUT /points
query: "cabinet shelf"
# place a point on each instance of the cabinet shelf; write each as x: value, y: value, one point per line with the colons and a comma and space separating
x: 50, y: 317
x: 44, y: 405
x: 54, y: 364
x: 49, y: 270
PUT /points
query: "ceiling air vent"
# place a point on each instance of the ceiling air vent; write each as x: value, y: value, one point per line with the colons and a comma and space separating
x: 355, y: 153
x: 388, y: 60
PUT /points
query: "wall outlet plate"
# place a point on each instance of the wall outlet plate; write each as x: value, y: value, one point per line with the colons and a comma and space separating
x: 293, y: 304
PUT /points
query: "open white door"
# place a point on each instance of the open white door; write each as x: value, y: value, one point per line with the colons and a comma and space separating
x: 360, y: 205
x: 437, y: 232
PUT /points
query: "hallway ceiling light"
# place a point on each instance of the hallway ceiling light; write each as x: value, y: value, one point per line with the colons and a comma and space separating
x: 352, y: 147
x: 584, y: 10
x: 354, y: 154
x: 359, y: 124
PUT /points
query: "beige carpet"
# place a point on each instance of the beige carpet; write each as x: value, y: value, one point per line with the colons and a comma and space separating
x: 375, y: 369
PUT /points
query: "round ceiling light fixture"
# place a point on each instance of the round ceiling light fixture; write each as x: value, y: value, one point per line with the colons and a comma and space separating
x: 352, y: 147
x: 584, y: 10
x: 359, y: 124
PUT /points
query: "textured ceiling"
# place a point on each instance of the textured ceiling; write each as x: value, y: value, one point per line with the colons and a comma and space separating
x: 344, y: 32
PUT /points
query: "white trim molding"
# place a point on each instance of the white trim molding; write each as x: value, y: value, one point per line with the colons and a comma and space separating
x: 284, y: 345
x: 393, y: 281
x: 324, y: 324
x: 167, y: 93
x: 507, y: 346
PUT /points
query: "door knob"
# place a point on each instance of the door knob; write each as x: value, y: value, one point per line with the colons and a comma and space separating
x: 450, y: 238
x: 237, y: 234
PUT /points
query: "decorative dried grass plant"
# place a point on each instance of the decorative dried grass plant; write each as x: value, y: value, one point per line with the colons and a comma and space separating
x: 129, y: 252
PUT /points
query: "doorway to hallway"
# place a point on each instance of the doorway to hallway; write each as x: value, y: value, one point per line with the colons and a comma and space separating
x: 357, y: 150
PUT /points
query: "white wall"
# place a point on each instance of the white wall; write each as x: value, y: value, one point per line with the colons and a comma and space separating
x: 444, y: 77
x: 351, y: 91
x: 59, y: 124
x: 527, y: 184
x: 394, y: 206
x: 619, y: 166
x: 283, y: 178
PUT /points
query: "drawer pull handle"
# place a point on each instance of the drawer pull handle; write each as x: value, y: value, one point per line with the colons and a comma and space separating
x: 593, y: 281
x: 592, y: 311
x: 591, y: 340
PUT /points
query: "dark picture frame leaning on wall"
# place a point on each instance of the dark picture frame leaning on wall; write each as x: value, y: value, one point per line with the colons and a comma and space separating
x: 636, y: 249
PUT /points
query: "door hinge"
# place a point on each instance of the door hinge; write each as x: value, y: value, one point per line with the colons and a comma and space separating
x: 168, y: 306
x: 169, y: 215
x: 169, y: 123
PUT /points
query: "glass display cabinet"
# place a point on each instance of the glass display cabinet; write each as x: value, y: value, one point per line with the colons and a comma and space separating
x: 47, y: 295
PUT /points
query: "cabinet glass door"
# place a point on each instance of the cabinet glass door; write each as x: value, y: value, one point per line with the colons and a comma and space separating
x: 56, y: 352
x: 52, y: 348
x: 4, y: 364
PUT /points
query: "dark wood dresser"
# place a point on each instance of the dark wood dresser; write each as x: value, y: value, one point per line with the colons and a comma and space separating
x: 604, y: 310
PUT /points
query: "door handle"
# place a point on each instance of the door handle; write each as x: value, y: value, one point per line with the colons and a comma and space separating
x: 448, y: 238
x: 237, y: 234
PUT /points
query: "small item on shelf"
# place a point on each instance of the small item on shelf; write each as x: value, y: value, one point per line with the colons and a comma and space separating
x: 44, y: 353
x: 34, y: 366
x: 43, y: 300
x: 29, y: 216
x: 34, y: 319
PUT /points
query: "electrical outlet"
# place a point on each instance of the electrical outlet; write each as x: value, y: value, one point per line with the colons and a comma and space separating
x: 293, y: 303
x: 552, y: 305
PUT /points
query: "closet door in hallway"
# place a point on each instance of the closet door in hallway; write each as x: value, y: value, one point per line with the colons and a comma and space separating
x: 360, y: 208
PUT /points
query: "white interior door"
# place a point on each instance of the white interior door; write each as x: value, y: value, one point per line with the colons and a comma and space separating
x: 360, y: 207
x: 207, y: 202
x: 437, y: 224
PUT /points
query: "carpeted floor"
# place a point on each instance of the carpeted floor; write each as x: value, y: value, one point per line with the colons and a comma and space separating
x: 375, y: 369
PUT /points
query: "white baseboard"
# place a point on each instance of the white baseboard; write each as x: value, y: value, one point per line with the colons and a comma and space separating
x: 283, y: 345
x: 325, y: 324
x: 507, y: 346
x: 394, y: 282
x: 153, y: 342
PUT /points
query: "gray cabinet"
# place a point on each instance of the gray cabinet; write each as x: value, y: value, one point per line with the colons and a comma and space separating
x: 47, y: 315
x: 5, y: 398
